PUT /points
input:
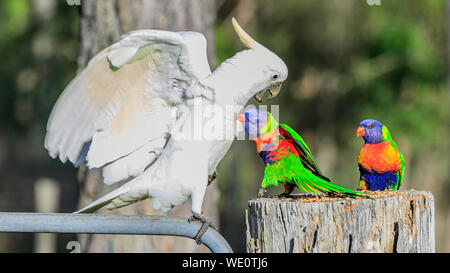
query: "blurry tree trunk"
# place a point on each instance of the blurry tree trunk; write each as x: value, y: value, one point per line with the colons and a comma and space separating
x: 102, y: 24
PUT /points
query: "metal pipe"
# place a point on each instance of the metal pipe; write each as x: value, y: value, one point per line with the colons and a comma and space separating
x: 111, y: 224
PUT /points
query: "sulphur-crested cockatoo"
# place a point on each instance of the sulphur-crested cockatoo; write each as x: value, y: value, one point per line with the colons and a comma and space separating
x: 133, y: 111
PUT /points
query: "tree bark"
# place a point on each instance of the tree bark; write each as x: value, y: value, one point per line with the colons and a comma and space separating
x: 395, y: 222
x: 102, y: 24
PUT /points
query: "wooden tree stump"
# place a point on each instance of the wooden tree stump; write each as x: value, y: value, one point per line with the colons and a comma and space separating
x: 394, y: 222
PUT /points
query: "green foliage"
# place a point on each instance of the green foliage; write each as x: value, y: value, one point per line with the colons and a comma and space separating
x: 15, y: 18
x: 39, y: 54
x: 224, y: 43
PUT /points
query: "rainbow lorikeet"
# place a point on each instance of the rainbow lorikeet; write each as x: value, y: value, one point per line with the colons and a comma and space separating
x: 287, y: 158
x: 381, y: 164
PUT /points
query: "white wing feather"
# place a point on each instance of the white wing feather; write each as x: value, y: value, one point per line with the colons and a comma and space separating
x: 120, y: 103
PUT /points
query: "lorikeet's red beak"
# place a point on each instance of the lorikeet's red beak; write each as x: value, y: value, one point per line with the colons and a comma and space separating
x: 241, y: 118
x: 360, y: 131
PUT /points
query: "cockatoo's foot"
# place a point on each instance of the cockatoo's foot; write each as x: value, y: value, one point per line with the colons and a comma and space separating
x: 261, y: 192
x: 206, y: 222
x: 212, y: 178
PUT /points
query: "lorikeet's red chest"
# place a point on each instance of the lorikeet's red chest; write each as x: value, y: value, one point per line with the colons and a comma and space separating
x: 284, y: 148
x: 380, y: 157
x: 272, y: 148
x: 267, y: 142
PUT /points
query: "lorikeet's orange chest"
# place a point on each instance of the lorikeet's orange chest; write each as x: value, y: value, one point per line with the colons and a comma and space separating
x: 381, y: 157
x: 271, y: 142
x: 268, y: 141
x: 274, y: 148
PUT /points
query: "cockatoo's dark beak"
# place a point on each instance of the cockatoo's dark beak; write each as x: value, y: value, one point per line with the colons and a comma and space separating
x: 259, y: 96
x: 360, y: 131
x: 273, y: 90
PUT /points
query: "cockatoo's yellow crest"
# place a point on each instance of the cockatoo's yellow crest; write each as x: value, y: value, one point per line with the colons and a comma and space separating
x: 245, y: 38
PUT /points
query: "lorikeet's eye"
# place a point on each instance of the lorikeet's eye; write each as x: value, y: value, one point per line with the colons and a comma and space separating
x: 371, y: 126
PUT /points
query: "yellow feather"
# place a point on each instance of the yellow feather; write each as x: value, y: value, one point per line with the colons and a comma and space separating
x: 245, y: 38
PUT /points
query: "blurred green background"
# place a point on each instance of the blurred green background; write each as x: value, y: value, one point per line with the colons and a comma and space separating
x: 347, y: 61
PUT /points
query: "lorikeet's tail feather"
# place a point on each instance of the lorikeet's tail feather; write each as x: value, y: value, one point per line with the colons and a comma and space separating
x: 315, y: 185
x: 323, y: 177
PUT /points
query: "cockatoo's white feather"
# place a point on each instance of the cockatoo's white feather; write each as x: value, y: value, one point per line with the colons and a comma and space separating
x: 134, y: 163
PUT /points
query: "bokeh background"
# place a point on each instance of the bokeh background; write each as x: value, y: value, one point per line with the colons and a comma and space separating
x: 347, y: 61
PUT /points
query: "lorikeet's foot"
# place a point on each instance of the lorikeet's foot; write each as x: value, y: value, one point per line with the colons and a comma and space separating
x: 206, y: 222
x: 334, y: 194
x: 362, y: 186
x: 283, y: 195
x: 287, y: 191
x: 261, y: 192
x: 212, y: 178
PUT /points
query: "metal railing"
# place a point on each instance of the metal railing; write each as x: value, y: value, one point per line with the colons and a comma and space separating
x: 110, y: 224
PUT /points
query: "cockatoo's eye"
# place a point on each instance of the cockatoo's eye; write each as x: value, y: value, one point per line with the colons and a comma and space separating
x: 371, y: 126
x: 275, y: 76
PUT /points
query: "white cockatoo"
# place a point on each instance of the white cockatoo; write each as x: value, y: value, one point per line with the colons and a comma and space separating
x: 133, y: 111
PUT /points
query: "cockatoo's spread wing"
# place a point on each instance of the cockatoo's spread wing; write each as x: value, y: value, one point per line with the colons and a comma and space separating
x: 117, y: 112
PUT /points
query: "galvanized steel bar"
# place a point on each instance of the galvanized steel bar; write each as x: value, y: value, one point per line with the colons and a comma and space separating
x: 110, y: 224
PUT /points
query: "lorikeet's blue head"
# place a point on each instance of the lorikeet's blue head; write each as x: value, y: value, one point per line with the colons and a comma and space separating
x: 257, y: 122
x: 371, y: 130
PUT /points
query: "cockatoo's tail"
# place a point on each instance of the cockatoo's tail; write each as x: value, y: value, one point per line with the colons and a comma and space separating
x: 381, y: 164
x: 287, y: 158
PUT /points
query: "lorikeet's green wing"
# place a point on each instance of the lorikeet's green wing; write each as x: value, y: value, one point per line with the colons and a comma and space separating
x: 387, y: 137
x: 290, y: 170
x: 305, y: 154
x: 402, y: 171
